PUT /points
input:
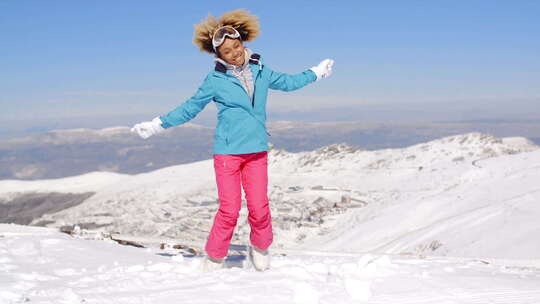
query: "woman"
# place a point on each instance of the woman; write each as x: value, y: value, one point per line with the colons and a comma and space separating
x: 238, y: 86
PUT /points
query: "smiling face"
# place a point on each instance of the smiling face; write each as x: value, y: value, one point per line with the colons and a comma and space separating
x: 232, y: 51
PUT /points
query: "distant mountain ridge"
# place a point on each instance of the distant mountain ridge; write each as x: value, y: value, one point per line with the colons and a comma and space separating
x: 61, y: 153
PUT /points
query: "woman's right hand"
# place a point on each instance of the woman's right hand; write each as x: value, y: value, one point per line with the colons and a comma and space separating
x: 148, y: 128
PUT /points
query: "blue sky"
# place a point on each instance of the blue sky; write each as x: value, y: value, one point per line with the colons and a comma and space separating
x: 103, y: 58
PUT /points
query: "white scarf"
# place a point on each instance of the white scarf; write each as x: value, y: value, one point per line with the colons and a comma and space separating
x: 242, y: 72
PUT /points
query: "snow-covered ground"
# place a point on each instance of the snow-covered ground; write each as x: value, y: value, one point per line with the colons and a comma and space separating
x: 41, y: 265
x: 455, y: 220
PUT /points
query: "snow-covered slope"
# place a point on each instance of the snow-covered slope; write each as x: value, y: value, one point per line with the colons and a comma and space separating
x: 464, y: 195
x: 39, y: 265
x: 488, y: 211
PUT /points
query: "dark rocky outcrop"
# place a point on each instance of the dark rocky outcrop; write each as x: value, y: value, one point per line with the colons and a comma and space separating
x: 28, y: 206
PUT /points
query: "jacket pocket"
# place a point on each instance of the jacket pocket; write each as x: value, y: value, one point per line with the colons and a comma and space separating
x: 221, y: 131
x: 238, y: 128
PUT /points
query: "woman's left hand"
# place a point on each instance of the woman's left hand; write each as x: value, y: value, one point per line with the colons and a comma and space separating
x: 324, y: 69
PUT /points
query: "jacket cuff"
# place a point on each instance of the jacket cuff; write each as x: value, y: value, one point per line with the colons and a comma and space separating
x: 164, y: 123
x: 314, y: 78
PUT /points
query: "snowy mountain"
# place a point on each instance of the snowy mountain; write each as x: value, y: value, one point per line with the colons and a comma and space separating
x: 62, y: 153
x: 85, y: 135
x: 59, y: 153
x: 453, y: 196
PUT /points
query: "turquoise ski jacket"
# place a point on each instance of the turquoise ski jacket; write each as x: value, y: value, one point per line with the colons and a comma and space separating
x: 241, y: 126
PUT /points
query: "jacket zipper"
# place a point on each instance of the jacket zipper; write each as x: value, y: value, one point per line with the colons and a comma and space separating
x: 253, y: 97
x: 254, y: 88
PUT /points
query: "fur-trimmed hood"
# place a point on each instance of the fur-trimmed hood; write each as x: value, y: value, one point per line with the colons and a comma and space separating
x: 244, y: 22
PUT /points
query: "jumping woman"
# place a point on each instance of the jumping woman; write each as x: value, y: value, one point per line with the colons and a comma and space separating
x: 238, y: 85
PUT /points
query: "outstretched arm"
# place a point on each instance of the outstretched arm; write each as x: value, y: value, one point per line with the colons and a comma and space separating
x: 183, y: 113
x: 191, y: 107
x: 286, y: 82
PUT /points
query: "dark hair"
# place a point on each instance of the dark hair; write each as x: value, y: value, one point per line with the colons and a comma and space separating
x: 244, y: 22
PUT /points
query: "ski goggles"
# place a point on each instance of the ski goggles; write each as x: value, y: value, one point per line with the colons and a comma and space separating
x: 221, y: 33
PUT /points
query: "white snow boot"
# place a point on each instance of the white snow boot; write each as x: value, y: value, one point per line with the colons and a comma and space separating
x: 259, y: 258
x: 211, y: 264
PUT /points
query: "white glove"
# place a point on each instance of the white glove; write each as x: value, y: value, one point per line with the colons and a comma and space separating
x: 324, y: 69
x: 148, y: 128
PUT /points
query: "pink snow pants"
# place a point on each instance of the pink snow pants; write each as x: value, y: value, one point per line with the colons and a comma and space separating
x: 251, y: 172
